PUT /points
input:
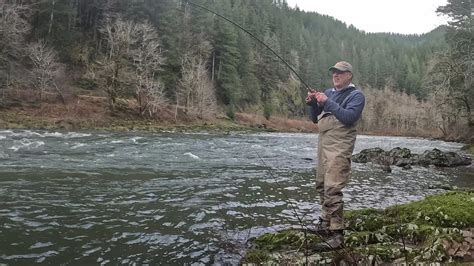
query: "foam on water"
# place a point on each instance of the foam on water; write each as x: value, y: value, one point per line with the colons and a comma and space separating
x: 26, y: 144
x: 191, y: 155
x: 43, y: 134
x: 78, y: 145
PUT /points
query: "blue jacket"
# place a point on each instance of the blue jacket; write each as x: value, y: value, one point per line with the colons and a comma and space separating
x: 347, y: 112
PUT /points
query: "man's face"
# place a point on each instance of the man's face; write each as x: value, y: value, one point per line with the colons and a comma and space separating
x: 341, y: 79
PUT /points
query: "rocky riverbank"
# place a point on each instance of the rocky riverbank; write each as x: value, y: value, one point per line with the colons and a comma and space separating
x: 439, y: 228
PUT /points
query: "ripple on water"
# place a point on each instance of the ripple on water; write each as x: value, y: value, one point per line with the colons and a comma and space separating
x: 213, y: 224
x: 39, y: 256
x: 91, y: 251
x: 235, y: 204
x: 33, y: 224
x: 41, y: 245
x: 78, y: 145
x: 155, y: 239
x: 4, y: 155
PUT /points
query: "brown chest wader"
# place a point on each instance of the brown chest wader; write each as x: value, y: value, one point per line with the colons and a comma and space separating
x: 335, y: 147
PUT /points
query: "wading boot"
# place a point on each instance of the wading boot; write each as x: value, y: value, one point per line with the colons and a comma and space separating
x: 335, y: 240
x: 321, y: 228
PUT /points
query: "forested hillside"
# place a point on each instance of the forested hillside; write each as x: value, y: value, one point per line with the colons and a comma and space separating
x: 168, y: 53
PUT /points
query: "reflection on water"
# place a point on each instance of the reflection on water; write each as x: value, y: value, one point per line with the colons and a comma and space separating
x: 98, y: 198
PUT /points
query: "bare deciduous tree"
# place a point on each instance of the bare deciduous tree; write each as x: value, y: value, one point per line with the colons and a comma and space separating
x: 155, y: 97
x: 196, y: 91
x: 13, y: 27
x: 147, y: 60
x: 45, y: 68
x: 110, y: 67
x: 206, y: 103
x: 131, y: 60
x: 394, y: 112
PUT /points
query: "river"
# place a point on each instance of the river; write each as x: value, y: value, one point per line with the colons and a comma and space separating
x: 169, y: 198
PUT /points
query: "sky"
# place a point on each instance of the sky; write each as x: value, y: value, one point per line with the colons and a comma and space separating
x: 397, y: 16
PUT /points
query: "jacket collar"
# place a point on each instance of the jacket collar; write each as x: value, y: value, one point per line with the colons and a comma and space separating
x: 348, y: 86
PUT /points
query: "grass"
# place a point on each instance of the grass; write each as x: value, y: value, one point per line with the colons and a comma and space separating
x: 469, y: 148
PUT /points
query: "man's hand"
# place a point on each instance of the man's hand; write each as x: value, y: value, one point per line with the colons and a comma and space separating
x: 321, y: 97
x: 311, y: 97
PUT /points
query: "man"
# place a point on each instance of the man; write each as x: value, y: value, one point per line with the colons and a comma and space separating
x: 336, y: 111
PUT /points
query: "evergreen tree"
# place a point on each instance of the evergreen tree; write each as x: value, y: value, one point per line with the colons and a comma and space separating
x: 54, y: 21
x: 247, y: 71
x: 268, y: 75
x: 169, y: 18
x: 227, y: 61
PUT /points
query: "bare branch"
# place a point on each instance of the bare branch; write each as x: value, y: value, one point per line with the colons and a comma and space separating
x: 45, y: 68
x: 196, y: 90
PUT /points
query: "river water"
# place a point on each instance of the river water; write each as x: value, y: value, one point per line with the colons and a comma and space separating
x: 169, y: 198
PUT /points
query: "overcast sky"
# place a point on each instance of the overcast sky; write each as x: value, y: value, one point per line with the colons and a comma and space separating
x: 398, y: 16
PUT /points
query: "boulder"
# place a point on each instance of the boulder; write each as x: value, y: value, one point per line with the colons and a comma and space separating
x: 403, y: 157
x: 443, y: 159
x: 368, y: 155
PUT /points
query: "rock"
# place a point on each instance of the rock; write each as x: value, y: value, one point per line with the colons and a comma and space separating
x: 403, y: 157
x: 368, y: 155
x: 443, y: 159
x: 400, y: 152
x: 403, y: 162
x: 455, y: 159
x: 386, y: 168
x: 444, y: 186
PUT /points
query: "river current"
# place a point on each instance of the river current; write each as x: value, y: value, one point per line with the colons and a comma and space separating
x: 169, y: 198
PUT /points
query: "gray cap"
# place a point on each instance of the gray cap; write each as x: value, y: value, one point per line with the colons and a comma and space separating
x: 342, y: 66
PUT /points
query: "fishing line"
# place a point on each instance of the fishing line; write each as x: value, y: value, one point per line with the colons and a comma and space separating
x: 255, y: 38
x: 283, y: 192
x: 303, y: 225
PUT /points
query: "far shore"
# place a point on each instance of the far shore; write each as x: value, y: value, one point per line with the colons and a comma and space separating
x: 244, y: 122
x: 91, y: 114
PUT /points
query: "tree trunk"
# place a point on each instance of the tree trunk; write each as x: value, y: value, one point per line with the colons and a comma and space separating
x: 51, y: 18
x: 176, y: 109
x: 213, y: 65
x: 470, y: 123
x: 61, y: 96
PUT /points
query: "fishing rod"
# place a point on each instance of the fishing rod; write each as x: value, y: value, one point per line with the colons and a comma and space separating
x: 254, y: 37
